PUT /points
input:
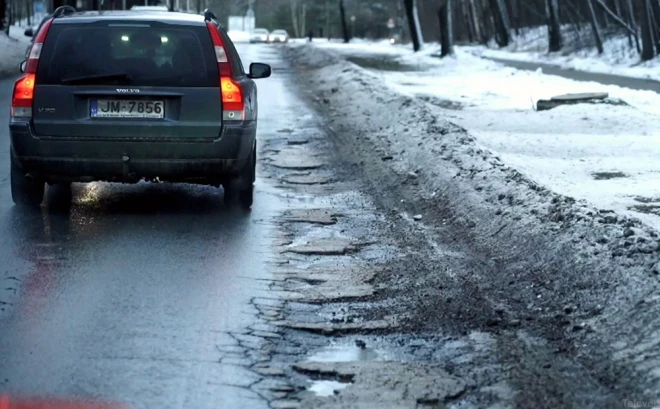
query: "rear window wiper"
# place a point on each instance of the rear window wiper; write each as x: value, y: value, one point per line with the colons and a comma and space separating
x: 93, y: 79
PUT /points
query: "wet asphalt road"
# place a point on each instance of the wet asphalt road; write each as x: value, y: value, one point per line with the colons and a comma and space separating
x: 131, y: 294
x: 626, y: 82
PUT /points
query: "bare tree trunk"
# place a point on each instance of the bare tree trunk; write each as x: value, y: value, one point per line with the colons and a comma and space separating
x: 3, y: 14
x: 502, y: 23
x: 294, y: 17
x: 614, y: 16
x: 475, y: 21
x: 327, y: 19
x: 594, y: 27
x: 446, y: 28
x: 648, y: 41
x: 655, y: 12
x: 344, y: 26
x: 465, y: 9
x: 303, y: 21
x: 554, y: 28
x: 413, y: 24
x: 631, y: 19
x: 515, y: 16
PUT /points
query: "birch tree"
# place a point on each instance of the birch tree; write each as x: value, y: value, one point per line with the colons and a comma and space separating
x: 413, y: 23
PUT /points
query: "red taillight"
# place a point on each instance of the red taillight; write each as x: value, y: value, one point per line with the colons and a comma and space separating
x: 21, y: 104
x: 232, y: 97
x: 233, y: 107
x: 24, y: 91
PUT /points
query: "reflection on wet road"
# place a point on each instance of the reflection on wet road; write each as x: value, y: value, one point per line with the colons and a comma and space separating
x: 130, y: 294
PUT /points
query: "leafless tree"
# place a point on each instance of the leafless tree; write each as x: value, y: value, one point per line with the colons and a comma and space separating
x: 446, y: 28
x: 554, y: 28
x: 502, y: 23
x: 595, y: 27
x: 4, y: 23
x: 344, y: 26
x: 648, y: 35
x: 413, y: 23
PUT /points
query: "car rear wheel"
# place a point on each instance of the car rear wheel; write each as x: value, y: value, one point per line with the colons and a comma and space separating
x: 243, y: 194
x: 24, y: 192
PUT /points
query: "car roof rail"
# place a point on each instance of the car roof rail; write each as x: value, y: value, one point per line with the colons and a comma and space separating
x: 63, y: 11
x: 209, y: 16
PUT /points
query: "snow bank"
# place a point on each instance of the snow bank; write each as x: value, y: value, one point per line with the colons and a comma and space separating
x: 604, y: 154
x: 460, y: 182
x: 12, y: 51
x: 569, y: 252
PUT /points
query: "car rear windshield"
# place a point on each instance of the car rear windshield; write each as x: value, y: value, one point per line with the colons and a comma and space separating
x: 128, y: 53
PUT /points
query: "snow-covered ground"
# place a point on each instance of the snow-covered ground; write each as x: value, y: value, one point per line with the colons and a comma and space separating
x: 605, y: 154
x: 618, y: 57
x: 12, y: 49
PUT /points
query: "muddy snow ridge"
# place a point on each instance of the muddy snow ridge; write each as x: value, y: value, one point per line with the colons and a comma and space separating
x: 500, y: 210
x: 449, y: 160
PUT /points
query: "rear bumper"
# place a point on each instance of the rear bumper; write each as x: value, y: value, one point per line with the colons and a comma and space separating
x: 59, y: 159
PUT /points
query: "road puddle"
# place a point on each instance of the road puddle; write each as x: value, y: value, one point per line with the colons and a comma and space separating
x: 326, y: 388
x: 346, y: 353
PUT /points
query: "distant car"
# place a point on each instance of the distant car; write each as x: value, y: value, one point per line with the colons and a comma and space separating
x: 239, y: 36
x: 278, y: 36
x: 259, y: 35
x: 149, y: 8
x: 395, y: 39
x: 130, y: 97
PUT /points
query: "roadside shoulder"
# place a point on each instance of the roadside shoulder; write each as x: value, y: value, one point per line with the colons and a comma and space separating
x: 536, y: 242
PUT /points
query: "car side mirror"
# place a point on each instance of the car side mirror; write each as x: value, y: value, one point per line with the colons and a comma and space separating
x: 259, y: 70
x: 22, y: 66
x: 29, y: 32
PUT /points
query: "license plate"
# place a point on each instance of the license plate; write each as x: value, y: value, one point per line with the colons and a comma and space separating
x: 112, y: 108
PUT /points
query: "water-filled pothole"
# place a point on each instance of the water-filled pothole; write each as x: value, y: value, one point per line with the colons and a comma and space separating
x: 326, y: 388
x: 346, y: 353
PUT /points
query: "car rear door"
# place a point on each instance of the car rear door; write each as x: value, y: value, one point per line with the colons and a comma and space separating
x: 110, y: 78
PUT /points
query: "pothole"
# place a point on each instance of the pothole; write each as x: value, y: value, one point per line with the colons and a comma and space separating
x: 313, y: 216
x: 332, y: 246
x: 289, y: 161
x: 346, y: 353
x: 306, y: 179
x: 327, y: 388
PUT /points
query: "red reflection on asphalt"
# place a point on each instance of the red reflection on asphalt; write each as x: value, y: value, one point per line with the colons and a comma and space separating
x: 37, y: 284
x: 7, y: 402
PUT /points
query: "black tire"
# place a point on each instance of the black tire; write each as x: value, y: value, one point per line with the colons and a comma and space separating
x: 25, y: 193
x: 59, y: 197
x: 245, y: 195
x: 246, y: 198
